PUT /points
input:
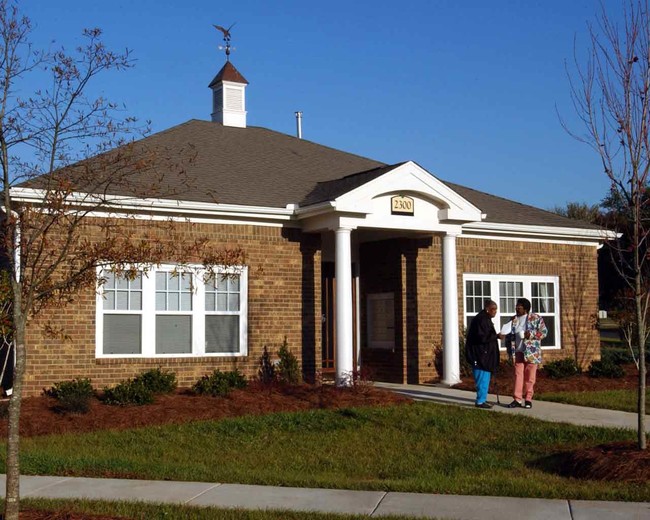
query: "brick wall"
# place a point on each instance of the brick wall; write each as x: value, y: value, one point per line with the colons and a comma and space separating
x: 575, y: 266
x: 283, y: 300
x: 412, y: 269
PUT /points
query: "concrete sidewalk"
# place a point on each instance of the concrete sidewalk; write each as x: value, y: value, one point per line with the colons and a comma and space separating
x: 545, y: 410
x: 373, y: 504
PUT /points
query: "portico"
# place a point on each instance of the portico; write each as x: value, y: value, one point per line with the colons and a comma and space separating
x: 397, y: 203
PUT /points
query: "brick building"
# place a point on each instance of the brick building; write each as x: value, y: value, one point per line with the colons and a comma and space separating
x: 357, y: 263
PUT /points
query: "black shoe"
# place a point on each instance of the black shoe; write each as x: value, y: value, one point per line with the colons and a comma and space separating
x: 528, y: 404
x: 515, y: 404
x: 485, y: 406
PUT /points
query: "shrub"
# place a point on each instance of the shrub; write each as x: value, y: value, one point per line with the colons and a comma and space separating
x: 616, y: 356
x: 605, y: 368
x: 158, y: 381
x: 288, y: 369
x: 236, y: 379
x: 219, y: 384
x: 131, y: 391
x: 266, y: 372
x: 362, y: 378
x: 561, y: 368
x: 73, y: 396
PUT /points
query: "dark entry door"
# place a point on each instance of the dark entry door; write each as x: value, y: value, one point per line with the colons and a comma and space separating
x: 328, y: 306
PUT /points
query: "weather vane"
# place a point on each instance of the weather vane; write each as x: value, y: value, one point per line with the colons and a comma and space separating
x: 226, y: 38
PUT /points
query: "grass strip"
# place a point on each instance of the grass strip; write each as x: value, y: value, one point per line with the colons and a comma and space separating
x: 140, y: 511
x: 623, y: 400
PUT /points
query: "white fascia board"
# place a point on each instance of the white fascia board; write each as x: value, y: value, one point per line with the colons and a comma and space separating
x: 125, y: 204
x: 541, y: 231
x: 315, y: 210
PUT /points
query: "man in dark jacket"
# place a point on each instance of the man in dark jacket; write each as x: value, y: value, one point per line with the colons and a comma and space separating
x: 482, y: 351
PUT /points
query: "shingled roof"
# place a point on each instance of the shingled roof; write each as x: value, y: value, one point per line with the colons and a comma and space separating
x: 329, y: 190
x: 506, y: 211
x: 255, y: 166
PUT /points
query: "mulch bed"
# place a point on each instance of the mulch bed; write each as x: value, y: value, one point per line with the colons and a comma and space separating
x: 615, y: 462
x: 39, y: 415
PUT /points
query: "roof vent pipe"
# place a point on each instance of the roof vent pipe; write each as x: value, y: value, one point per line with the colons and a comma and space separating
x: 299, y: 124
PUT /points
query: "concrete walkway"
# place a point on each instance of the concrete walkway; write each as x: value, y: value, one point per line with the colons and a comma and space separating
x: 545, y: 410
x: 373, y: 504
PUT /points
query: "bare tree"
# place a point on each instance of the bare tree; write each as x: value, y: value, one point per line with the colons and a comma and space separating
x: 610, y: 93
x: 625, y: 316
x: 74, y: 151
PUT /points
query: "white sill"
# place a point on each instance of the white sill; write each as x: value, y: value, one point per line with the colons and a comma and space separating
x: 170, y: 356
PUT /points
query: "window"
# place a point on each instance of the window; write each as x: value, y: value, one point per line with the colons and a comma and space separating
x: 122, y: 308
x: 509, y: 293
x: 542, y: 291
x: 543, y: 303
x: 476, y: 292
x: 167, y: 313
x: 222, y: 309
x: 173, y: 313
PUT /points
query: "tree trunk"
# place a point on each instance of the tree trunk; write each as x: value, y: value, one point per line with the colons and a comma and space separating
x: 12, y: 491
x: 640, y: 317
x: 641, y: 395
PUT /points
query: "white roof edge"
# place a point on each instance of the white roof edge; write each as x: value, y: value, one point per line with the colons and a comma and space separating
x: 314, y: 209
x: 519, y: 229
x: 126, y: 203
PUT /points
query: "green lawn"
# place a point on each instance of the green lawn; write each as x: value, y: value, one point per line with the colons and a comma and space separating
x: 625, y: 400
x: 167, y: 512
x: 420, y: 448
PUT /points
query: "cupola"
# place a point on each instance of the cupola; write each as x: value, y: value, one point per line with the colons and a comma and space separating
x: 229, y: 97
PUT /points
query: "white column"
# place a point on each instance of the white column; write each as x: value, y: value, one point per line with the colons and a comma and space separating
x: 450, y: 348
x: 344, y: 353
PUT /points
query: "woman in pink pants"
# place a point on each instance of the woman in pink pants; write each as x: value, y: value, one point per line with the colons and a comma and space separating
x: 529, y: 330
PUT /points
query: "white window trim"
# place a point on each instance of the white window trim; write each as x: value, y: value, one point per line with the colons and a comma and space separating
x: 494, y: 280
x: 149, y: 312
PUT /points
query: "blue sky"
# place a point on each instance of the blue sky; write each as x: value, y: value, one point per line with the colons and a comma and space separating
x: 466, y: 88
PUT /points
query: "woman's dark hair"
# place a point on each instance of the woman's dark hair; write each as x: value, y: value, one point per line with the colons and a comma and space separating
x: 524, y: 303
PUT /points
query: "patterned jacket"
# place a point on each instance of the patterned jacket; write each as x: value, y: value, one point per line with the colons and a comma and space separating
x: 538, y: 331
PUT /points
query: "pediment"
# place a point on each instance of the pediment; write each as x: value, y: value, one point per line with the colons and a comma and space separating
x: 431, y: 197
